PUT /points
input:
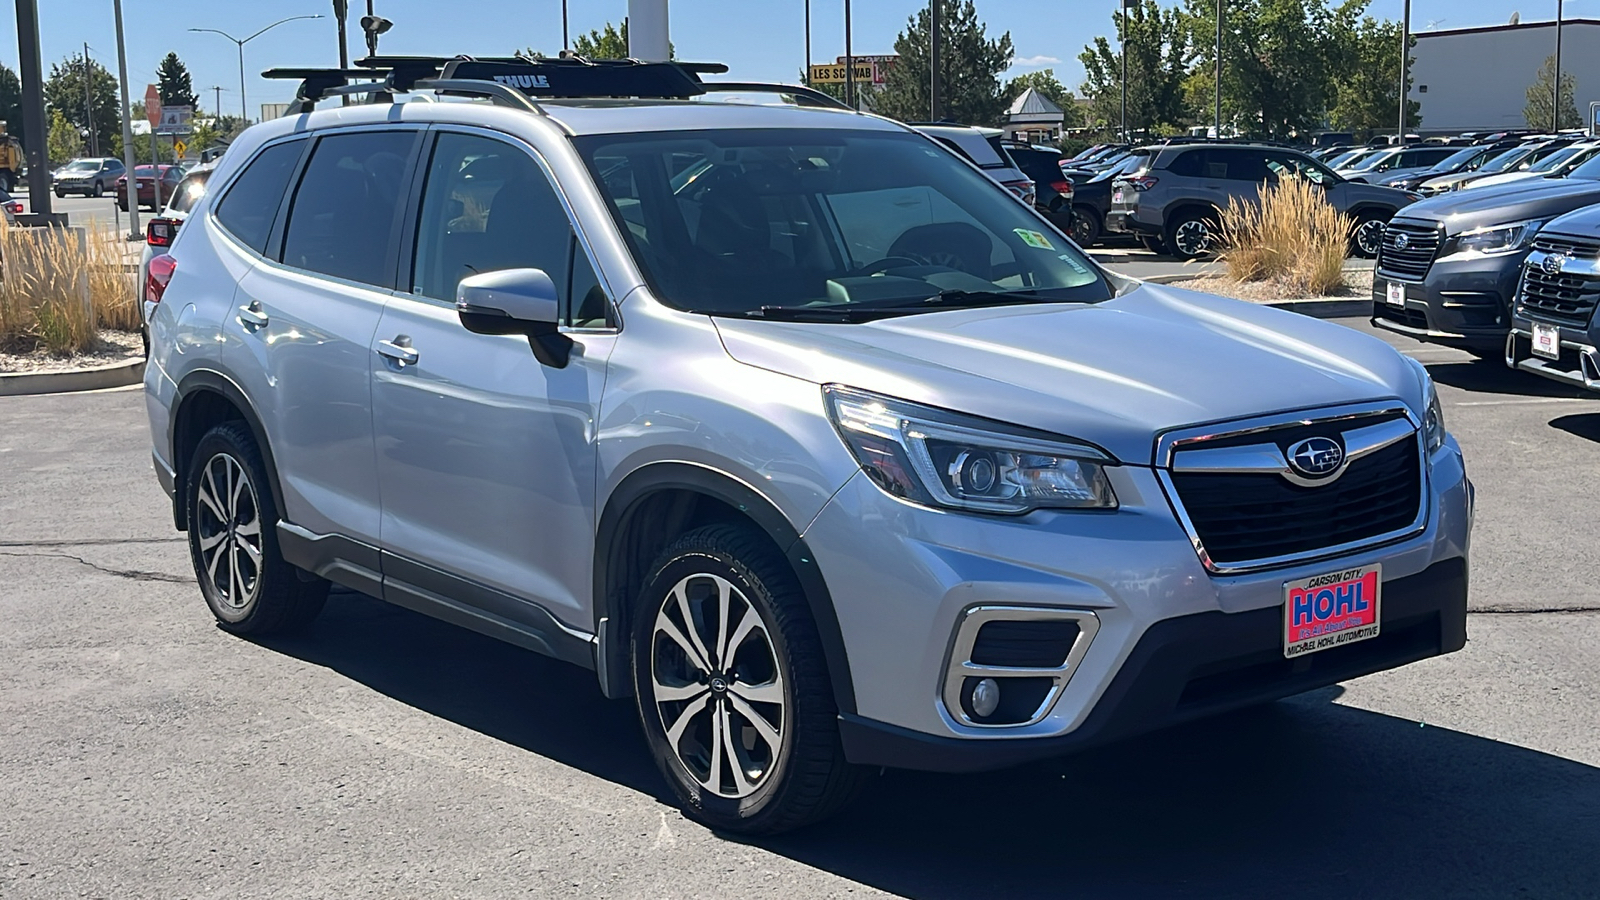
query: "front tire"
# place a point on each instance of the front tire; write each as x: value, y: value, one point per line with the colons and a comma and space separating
x: 233, y: 540
x: 99, y: 189
x: 732, y: 689
x: 1366, y: 236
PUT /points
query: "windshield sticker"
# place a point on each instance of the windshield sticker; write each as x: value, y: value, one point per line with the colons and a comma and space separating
x: 1034, y: 239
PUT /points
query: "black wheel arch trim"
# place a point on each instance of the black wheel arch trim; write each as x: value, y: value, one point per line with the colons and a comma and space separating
x: 212, y: 381
x: 611, y: 601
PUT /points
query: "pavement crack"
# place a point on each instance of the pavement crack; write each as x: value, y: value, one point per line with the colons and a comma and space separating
x: 1536, y: 611
x: 130, y: 574
x: 93, y: 542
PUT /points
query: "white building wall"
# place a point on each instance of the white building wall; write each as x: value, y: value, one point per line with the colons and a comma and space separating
x: 1478, y: 79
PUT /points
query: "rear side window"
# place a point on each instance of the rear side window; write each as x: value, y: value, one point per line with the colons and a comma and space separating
x: 1189, y: 165
x: 344, y: 221
x: 251, y: 204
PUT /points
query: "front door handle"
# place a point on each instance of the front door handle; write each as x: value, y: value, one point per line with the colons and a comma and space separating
x: 399, y: 350
x: 251, y: 316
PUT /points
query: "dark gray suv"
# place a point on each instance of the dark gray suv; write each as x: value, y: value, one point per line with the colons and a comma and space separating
x: 1178, y: 198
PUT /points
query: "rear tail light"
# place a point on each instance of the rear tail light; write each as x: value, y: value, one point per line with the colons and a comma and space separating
x: 160, y: 232
x: 157, y: 275
x: 15, y: 207
x: 1063, y: 187
x: 1143, y: 183
x: 1024, y: 191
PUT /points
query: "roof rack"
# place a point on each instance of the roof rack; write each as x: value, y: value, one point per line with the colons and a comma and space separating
x: 521, y: 82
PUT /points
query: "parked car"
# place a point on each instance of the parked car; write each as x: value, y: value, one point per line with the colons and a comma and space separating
x: 1556, y: 165
x: 1448, y: 267
x: 1091, y: 199
x: 150, y: 192
x: 89, y: 176
x: 839, y: 458
x: 983, y: 148
x: 1554, y: 330
x: 1353, y: 156
x: 1516, y: 159
x: 1053, y: 191
x: 1396, y: 160
x: 1464, y: 160
x: 159, y: 233
x: 1179, y: 198
x: 10, y: 206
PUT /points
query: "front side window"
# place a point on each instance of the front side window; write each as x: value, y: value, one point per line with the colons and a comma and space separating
x: 251, y: 204
x: 751, y: 222
x: 343, y: 221
x: 487, y: 205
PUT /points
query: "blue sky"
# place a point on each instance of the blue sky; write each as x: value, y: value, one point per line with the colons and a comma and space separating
x: 760, y: 39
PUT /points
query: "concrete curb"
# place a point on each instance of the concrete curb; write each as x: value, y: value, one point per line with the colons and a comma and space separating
x: 1328, y: 308
x: 122, y: 374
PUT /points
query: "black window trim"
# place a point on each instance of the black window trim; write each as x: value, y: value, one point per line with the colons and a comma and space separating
x: 413, y: 213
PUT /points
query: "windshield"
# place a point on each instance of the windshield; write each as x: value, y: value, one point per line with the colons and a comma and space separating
x: 1353, y: 158
x: 1130, y: 163
x: 1556, y: 160
x: 1505, y: 161
x: 1368, y: 163
x: 79, y: 165
x: 1459, y: 158
x: 821, y: 220
x: 189, y: 192
x: 1588, y: 171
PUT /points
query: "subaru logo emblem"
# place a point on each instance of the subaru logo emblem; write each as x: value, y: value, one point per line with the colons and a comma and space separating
x: 1402, y: 241
x: 1316, y: 457
x: 1554, y: 263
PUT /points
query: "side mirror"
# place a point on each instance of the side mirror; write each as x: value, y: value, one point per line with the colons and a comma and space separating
x: 516, y: 301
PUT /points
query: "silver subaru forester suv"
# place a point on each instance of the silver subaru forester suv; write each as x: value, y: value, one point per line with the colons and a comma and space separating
x: 786, y: 421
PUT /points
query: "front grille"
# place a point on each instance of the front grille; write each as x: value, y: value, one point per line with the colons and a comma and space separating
x: 1025, y: 644
x: 1416, y: 259
x: 1247, y: 517
x: 1562, y: 297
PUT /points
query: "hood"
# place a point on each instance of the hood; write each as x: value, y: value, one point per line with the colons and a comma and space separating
x: 1115, y: 374
x: 1534, y: 198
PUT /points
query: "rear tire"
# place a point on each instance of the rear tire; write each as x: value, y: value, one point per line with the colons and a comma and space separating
x: 1191, y: 235
x: 722, y: 638
x: 1154, y: 244
x: 1086, y: 228
x: 233, y: 539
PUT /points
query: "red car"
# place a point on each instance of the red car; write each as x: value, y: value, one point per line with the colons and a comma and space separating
x: 170, y: 175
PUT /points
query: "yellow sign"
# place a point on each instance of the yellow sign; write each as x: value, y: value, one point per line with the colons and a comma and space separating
x: 180, y: 148
x: 835, y: 74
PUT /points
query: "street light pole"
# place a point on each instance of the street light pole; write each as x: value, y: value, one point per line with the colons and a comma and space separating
x: 933, y: 60
x: 1122, y: 35
x: 808, y: 44
x: 1555, y: 108
x: 1405, y: 79
x: 1219, y: 69
x: 849, y: 61
x: 88, y: 107
x: 244, y: 108
x: 128, y: 161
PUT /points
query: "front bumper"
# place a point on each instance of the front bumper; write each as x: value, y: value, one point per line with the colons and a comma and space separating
x: 1200, y: 665
x: 1463, y: 302
x: 1578, y: 364
x: 1172, y: 641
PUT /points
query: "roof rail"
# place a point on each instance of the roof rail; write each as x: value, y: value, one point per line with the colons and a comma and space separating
x: 803, y: 96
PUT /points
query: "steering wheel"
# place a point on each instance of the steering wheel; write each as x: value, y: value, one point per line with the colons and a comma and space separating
x: 885, y: 264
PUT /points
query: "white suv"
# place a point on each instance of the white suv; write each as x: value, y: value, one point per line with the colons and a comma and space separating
x: 786, y: 421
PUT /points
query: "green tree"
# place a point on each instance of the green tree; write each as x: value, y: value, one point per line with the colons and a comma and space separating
x: 609, y: 42
x: 1542, y: 93
x: 1367, y: 75
x: 970, y: 65
x: 173, y: 84
x: 64, y: 93
x: 1045, y: 82
x: 11, y: 102
x: 64, y: 143
x: 1157, y: 45
x: 1279, y: 59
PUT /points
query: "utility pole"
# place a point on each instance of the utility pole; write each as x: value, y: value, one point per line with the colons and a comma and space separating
x: 217, y: 90
x: 807, y: 68
x: 933, y: 60
x: 1555, y: 110
x: 1219, y: 69
x: 29, y: 68
x: 849, y: 62
x: 1122, y: 36
x: 128, y: 161
x: 1405, y: 73
x: 88, y: 105
x: 341, y: 12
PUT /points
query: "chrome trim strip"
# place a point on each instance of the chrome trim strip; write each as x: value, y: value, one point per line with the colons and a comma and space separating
x: 959, y: 665
x: 1170, y: 443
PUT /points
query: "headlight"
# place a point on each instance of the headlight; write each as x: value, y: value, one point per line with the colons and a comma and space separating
x: 1433, y: 429
x: 1498, y: 238
x: 943, y: 459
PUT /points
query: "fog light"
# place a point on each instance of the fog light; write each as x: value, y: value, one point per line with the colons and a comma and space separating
x: 986, y: 697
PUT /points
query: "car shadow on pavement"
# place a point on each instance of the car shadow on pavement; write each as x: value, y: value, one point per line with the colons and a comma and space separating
x: 1304, y: 798
x: 1488, y: 376
x: 1586, y: 425
x: 514, y: 695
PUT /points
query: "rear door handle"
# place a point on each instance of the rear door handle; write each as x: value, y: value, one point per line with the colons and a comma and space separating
x: 399, y: 350
x: 251, y: 316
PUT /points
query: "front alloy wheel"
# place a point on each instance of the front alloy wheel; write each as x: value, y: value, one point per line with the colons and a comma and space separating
x: 1368, y: 237
x: 717, y: 686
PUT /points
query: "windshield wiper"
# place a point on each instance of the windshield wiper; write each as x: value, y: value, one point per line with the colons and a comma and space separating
x: 863, y: 312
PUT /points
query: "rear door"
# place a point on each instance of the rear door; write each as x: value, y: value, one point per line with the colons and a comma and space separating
x: 303, y: 323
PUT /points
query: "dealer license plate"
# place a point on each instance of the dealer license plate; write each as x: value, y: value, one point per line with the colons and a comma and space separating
x: 1331, y: 610
x: 1116, y: 197
x: 1546, y: 341
x: 1397, y: 294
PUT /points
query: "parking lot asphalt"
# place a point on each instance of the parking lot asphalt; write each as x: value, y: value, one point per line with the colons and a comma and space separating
x: 145, y: 753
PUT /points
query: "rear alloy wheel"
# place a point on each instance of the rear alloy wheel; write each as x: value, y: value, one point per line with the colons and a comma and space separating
x: 1366, y: 238
x: 1190, y: 236
x: 1085, y: 227
x: 733, y: 693
x: 1154, y: 244
x: 233, y: 540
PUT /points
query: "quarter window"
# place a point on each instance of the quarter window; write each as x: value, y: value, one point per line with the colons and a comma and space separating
x: 343, y: 221
x: 251, y: 204
x: 487, y: 205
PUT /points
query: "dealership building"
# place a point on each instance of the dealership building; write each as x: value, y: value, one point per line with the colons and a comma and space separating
x: 1477, y: 79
